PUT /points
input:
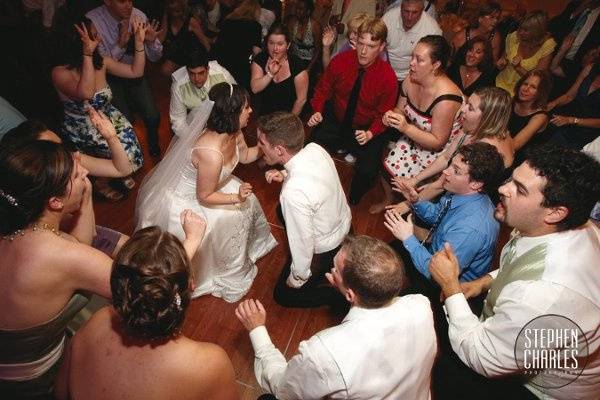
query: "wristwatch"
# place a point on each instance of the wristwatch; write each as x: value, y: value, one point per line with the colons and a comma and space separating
x: 575, y: 121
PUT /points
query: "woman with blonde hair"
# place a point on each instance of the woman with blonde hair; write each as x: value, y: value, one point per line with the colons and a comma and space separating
x: 240, y: 38
x: 485, y: 119
x: 530, y: 47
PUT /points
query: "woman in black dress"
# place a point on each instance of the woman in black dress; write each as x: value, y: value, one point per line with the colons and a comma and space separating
x: 474, y: 69
x: 278, y: 75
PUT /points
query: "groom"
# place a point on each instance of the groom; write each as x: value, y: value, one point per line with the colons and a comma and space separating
x: 312, y: 207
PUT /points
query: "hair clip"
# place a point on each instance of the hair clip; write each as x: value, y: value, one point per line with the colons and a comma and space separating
x: 230, y: 89
x: 11, y: 200
x: 178, y: 300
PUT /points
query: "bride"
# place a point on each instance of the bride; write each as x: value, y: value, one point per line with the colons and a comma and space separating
x: 196, y: 174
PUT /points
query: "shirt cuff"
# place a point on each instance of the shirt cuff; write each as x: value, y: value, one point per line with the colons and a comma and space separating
x: 494, y: 273
x: 457, y: 307
x: 411, y: 242
x: 260, y: 338
x: 296, y: 283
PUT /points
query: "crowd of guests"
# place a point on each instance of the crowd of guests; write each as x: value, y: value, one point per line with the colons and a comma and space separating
x: 462, y: 124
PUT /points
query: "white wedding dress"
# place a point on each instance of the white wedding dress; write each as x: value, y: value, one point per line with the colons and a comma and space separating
x: 236, y: 235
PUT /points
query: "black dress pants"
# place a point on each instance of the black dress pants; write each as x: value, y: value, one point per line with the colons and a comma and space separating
x: 368, y: 156
x: 316, y: 291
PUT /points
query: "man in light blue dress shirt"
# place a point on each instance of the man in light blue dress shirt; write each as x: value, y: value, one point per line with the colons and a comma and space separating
x: 464, y: 216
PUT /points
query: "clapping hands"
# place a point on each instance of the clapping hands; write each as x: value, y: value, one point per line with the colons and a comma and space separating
x: 153, y: 31
x: 401, y: 228
x: 394, y: 120
x: 329, y: 35
x: 89, y: 42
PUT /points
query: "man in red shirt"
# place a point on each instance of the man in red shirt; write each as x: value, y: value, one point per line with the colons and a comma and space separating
x: 360, y: 88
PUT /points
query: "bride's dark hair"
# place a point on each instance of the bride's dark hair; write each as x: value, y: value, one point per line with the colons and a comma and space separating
x: 150, y: 284
x: 229, y: 101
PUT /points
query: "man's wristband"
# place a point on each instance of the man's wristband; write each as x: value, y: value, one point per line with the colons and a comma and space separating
x: 575, y: 121
x: 139, y: 50
x: 86, y: 54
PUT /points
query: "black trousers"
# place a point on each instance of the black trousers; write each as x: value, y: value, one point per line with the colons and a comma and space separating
x: 368, y: 156
x: 451, y: 378
x: 316, y: 291
x: 135, y: 94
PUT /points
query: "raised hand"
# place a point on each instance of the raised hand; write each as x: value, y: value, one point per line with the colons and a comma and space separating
x: 401, y: 228
x: 329, y: 35
x: 101, y: 123
x: 251, y: 314
x: 152, y: 31
x: 273, y: 66
x: 274, y: 175
x: 88, y: 42
x: 444, y: 269
x: 194, y: 226
x: 195, y: 26
x: 245, y: 191
x: 315, y: 119
x: 139, y: 30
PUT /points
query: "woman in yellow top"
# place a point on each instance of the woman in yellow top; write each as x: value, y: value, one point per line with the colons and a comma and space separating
x: 529, y: 48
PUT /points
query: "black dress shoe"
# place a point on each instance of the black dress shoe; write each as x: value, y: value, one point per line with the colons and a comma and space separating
x: 154, y: 150
x: 353, y: 200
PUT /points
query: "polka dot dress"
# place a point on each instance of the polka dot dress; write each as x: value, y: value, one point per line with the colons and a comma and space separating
x: 408, y: 158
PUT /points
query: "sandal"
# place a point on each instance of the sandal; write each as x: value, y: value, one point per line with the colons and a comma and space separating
x: 102, y: 188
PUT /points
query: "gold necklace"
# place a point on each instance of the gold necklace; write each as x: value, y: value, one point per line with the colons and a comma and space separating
x: 34, y: 227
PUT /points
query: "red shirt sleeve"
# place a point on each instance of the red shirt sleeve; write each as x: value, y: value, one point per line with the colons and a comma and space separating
x: 387, y: 100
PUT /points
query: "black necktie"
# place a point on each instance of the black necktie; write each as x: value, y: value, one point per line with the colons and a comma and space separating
x: 352, y: 101
x: 438, y: 220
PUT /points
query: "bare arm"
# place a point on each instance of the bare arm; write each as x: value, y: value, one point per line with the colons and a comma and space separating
x: 136, y: 69
x: 572, y: 92
x: 119, y: 165
x: 258, y: 79
x: 83, y: 224
x: 301, y: 85
x: 247, y: 154
x: 536, y: 124
x: 85, y: 268
x: 442, y: 119
x: 209, y: 164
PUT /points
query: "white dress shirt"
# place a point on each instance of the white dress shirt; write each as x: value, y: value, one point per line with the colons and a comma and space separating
x: 108, y: 30
x: 382, y: 353
x: 185, y: 95
x: 400, y: 43
x: 569, y: 286
x: 314, y: 206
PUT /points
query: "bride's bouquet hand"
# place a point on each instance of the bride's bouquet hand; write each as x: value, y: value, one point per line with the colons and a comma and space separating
x: 245, y: 191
